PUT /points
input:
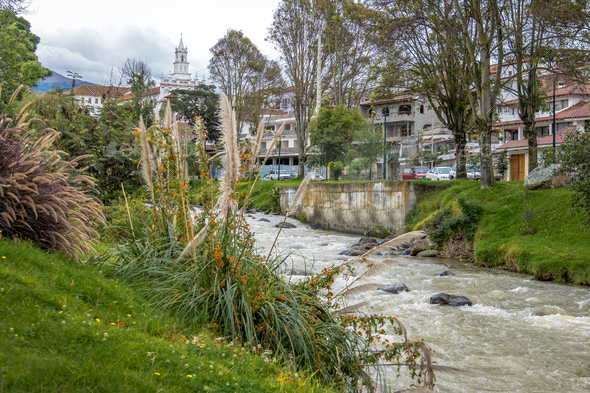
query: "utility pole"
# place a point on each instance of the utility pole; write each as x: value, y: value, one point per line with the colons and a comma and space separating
x: 385, y: 113
x: 553, y: 126
x: 318, y: 76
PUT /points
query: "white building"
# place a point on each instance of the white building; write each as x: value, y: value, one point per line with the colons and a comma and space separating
x: 180, y: 79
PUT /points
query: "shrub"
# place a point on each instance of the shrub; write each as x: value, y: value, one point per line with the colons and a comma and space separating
x: 43, y: 197
x: 336, y: 168
x: 458, y: 223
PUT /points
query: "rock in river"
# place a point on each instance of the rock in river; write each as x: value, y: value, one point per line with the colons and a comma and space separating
x: 394, y: 288
x: 428, y: 253
x: 286, y: 225
x: 264, y: 220
x: 445, y: 273
x: 444, y: 299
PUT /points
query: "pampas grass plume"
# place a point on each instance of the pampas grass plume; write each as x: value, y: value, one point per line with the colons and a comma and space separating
x: 299, y: 194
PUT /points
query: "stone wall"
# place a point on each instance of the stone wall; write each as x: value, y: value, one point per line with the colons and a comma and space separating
x: 375, y: 209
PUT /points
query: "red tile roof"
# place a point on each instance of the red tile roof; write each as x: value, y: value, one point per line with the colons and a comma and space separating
x: 542, y: 141
x: 580, y: 110
x: 400, y: 98
x: 98, y: 91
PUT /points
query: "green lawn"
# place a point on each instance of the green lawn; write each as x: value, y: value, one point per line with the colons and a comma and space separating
x: 67, y: 328
x: 559, y: 249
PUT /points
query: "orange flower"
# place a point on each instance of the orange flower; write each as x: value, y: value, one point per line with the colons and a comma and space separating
x: 216, y: 247
x: 260, y: 297
x: 239, y: 267
x: 195, y: 118
x: 217, y: 255
x: 121, y: 323
x: 203, y: 174
x: 313, y: 282
x: 231, y: 258
x: 215, y: 325
x: 221, y: 264
x: 282, y: 298
x: 222, y: 283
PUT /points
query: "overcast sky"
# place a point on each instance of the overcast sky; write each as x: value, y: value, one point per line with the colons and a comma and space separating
x: 90, y: 37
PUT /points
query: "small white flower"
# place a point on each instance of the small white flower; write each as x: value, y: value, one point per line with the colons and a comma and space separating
x: 84, y: 322
x: 149, y: 354
x: 16, y: 335
x: 106, y: 334
x: 223, y: 354
x: 220, y: 373
x: 186, y: 366
x: 211, y: 366
x: 63, y: 322
x: 1, y: 289
x: 64, y: 306
x: 227, y: 384
x: 235, y: 355
x: 89, y: 316
x: 11, y: 330
x: 99, y: 272
x: 167, y: 360
x: 206, y: 388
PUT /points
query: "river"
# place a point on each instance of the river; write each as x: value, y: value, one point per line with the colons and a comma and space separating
x: 498, y: 342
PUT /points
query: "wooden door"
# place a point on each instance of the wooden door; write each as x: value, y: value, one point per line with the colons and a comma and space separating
x: 517, y: 167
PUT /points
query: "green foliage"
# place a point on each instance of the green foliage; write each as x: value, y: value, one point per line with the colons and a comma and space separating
x: 502, y: 163
x: 459, y: 225
x: 18, y: 62
x: 45, y: 198
x: 104, y: 140
x: 70, y: 315
x: 332, y: 133
x: 336, y: 169
x: 202, y: 102
x: 500, y: 242
x: 574, y: 157
x: 369, y: 141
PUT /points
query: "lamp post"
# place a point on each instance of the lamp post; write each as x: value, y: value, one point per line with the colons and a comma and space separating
x: 385, y: 113
x: 553, y: 126
x: 279, y: 174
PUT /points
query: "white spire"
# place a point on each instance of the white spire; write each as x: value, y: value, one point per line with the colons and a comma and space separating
x: 181, y: 45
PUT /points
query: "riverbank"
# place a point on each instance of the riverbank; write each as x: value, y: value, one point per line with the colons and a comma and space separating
x: 66, y: 327
x: 534, y: 232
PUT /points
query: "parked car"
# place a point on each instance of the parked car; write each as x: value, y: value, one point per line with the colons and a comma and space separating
x: 439, y: 173
x: 283, y: 175
x: 415, y: 173
x: 472, y: 172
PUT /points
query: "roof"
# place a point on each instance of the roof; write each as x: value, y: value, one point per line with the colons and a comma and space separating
x: 571, y: 88
x: 400, y: 98
x: 542, y: 141
x: 150, y: 92
x: 98, y: 91
x: 580, y: 110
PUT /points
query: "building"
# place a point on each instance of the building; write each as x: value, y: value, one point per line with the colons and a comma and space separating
x: 180, y: 79
x: 572, y: 113
x: 93, y: 96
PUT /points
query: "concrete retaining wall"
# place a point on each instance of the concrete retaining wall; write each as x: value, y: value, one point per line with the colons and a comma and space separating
x: 375, y: 209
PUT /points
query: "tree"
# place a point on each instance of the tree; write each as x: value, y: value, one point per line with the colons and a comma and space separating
x: 17, y: 7
x: 369, y: 141
x: 574, y: 157
x: 295, y: 30
x: 502, y: 163
x: 332, y: 132
x: 18, y: 62
x: 203, y: 101
x: 244, y: 74
x: 336, y: 169
x: 138, y: 75
x: 434, y: 65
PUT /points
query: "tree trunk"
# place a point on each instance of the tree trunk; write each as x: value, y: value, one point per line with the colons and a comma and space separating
x: 302, y: 157
x: 531, y: 135
x: 460, y: 142
x: 487, y: 173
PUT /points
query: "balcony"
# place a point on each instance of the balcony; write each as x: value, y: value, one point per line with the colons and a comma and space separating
x: 395, y: 116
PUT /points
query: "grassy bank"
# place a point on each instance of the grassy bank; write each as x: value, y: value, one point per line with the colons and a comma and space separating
x: 526, y: 231
x: 67, y: 328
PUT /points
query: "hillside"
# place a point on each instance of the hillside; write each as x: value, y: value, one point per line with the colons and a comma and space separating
x: 58, y: 80
x: 67, y: 328
x: 532, y: 232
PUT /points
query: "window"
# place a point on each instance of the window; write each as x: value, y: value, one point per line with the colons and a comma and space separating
x: 96, y: 100
x: 509, y: 73
x: 405, y: 109
x: 287, y: 127
x: 561, y: 126
x: 405, y: 130
x: 542, y: 131
x: 262, y: 145
x: 285, y: 144
x: 561, y: 84
x: 90, y: 100
x: 269, y: 127
x: 559, y: 105
x: 421, y: 108
x: 427, y: 126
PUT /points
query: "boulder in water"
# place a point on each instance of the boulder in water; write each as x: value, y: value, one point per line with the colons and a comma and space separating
x: 423, y: 245
x: 538, y: 314
x: 394, y: 288
x: 444, y: 299
x: 355, y: 251
x: 405, y: 252
x: 445, y: 273
x: 264, y: 220
x: 286, y: 225
x: 428, y: 253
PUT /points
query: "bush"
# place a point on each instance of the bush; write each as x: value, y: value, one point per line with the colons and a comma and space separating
x: 336, y: 168
x: 43, y: 197
x: 457, y: 220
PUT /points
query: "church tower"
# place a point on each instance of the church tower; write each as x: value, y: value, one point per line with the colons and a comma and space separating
x: 181, y: 62
x: 180, y: 79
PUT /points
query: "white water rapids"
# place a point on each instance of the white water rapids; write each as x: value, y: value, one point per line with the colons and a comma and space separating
x: 498, y: 342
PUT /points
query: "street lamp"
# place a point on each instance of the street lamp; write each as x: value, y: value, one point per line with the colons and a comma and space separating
x: 385, y: 113
x: 553, y: 127
x: 279, y: 174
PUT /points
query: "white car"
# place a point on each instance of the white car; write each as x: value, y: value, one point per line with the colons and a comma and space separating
x: 284, y: 175
x: 472, y: 172
x: 439, y: 173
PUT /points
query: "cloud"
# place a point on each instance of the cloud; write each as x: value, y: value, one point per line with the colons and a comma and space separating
x: 92, y: 53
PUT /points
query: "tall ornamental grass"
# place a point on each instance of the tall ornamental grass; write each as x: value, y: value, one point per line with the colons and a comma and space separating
x: 204, y: 267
